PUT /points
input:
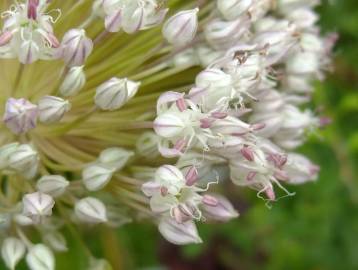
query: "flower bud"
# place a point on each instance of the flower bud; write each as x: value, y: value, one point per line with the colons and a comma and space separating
x: 169, y: 125
x: 133, y: 20
x: 52, y: 109
x: 179, y: 233
x: 76, y: 47
x: 171, y: 178
x: 20, y: 115
x: 233, y: 9
x: 115, y: 157
x: 54, y: 185
x: 23, y: 220
x: 37, y: 205
x: 40, y: 257
x: 147, y: 145
x: 91, y: 210
x: 12, y: 251
x: 221, y: 210
x: 95, y: 177
x: 56, y: 241
x: 5, y: 153
x: 180, y: 29
x: 24, y: 160
x: 29, y: 52
x: 113, y: 20
x: 74, y: 81
x: 114, y: 93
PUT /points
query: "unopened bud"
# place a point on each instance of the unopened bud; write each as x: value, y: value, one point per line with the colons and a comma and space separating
x: 115, y: 157
x: 24, y: 160
x: 181, y: 28
x: 95, y: 177
x: 52, y: 109
x: 76, y: 47
x: 20, y: 115
x: 74, y: 81
x: 37, y: 205
x: 40, y: 257
x: 54, y: 185
x: 114, y: 93
x: 12, y: 251
x: 91, y: 210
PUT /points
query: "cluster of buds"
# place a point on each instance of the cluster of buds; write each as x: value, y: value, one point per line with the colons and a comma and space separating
x: 87, y: 149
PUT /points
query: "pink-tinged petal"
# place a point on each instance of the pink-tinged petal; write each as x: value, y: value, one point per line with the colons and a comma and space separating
x: 210, y: 200
x: 247, y: 153
x: 150, y: 188
x: 167, y: 98
x: 181, y: 104
x: 5, y: 38
x: 179, y: 233
x: 113, y: 21
x: 191, y: 176
x: 220, y: 211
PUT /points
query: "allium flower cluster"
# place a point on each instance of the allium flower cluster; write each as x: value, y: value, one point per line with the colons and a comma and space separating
x: 118, y: 125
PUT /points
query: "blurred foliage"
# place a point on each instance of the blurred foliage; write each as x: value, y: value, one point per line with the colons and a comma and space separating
x: 316, y: 229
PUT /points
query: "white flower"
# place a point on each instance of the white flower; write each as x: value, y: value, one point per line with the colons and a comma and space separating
x: 20, y: 115
x: 180, y: 29
x: 40, y: 257
x: 56, y: 241
x: 54, y: 185
x: 74, y: 81
x: 12, y: 251
x: 37, y: 205
x: 170, y: 178
x: 91, y: 210
x: 114, y: 93
x: 52, y: 109
x: 76, y: 47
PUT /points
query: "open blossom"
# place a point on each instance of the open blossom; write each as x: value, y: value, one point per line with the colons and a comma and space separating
x: 148, y: 125
x: 28, y: 33
x: 130, y: 15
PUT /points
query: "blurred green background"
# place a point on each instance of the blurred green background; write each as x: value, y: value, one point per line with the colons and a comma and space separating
x: 316, y: 229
